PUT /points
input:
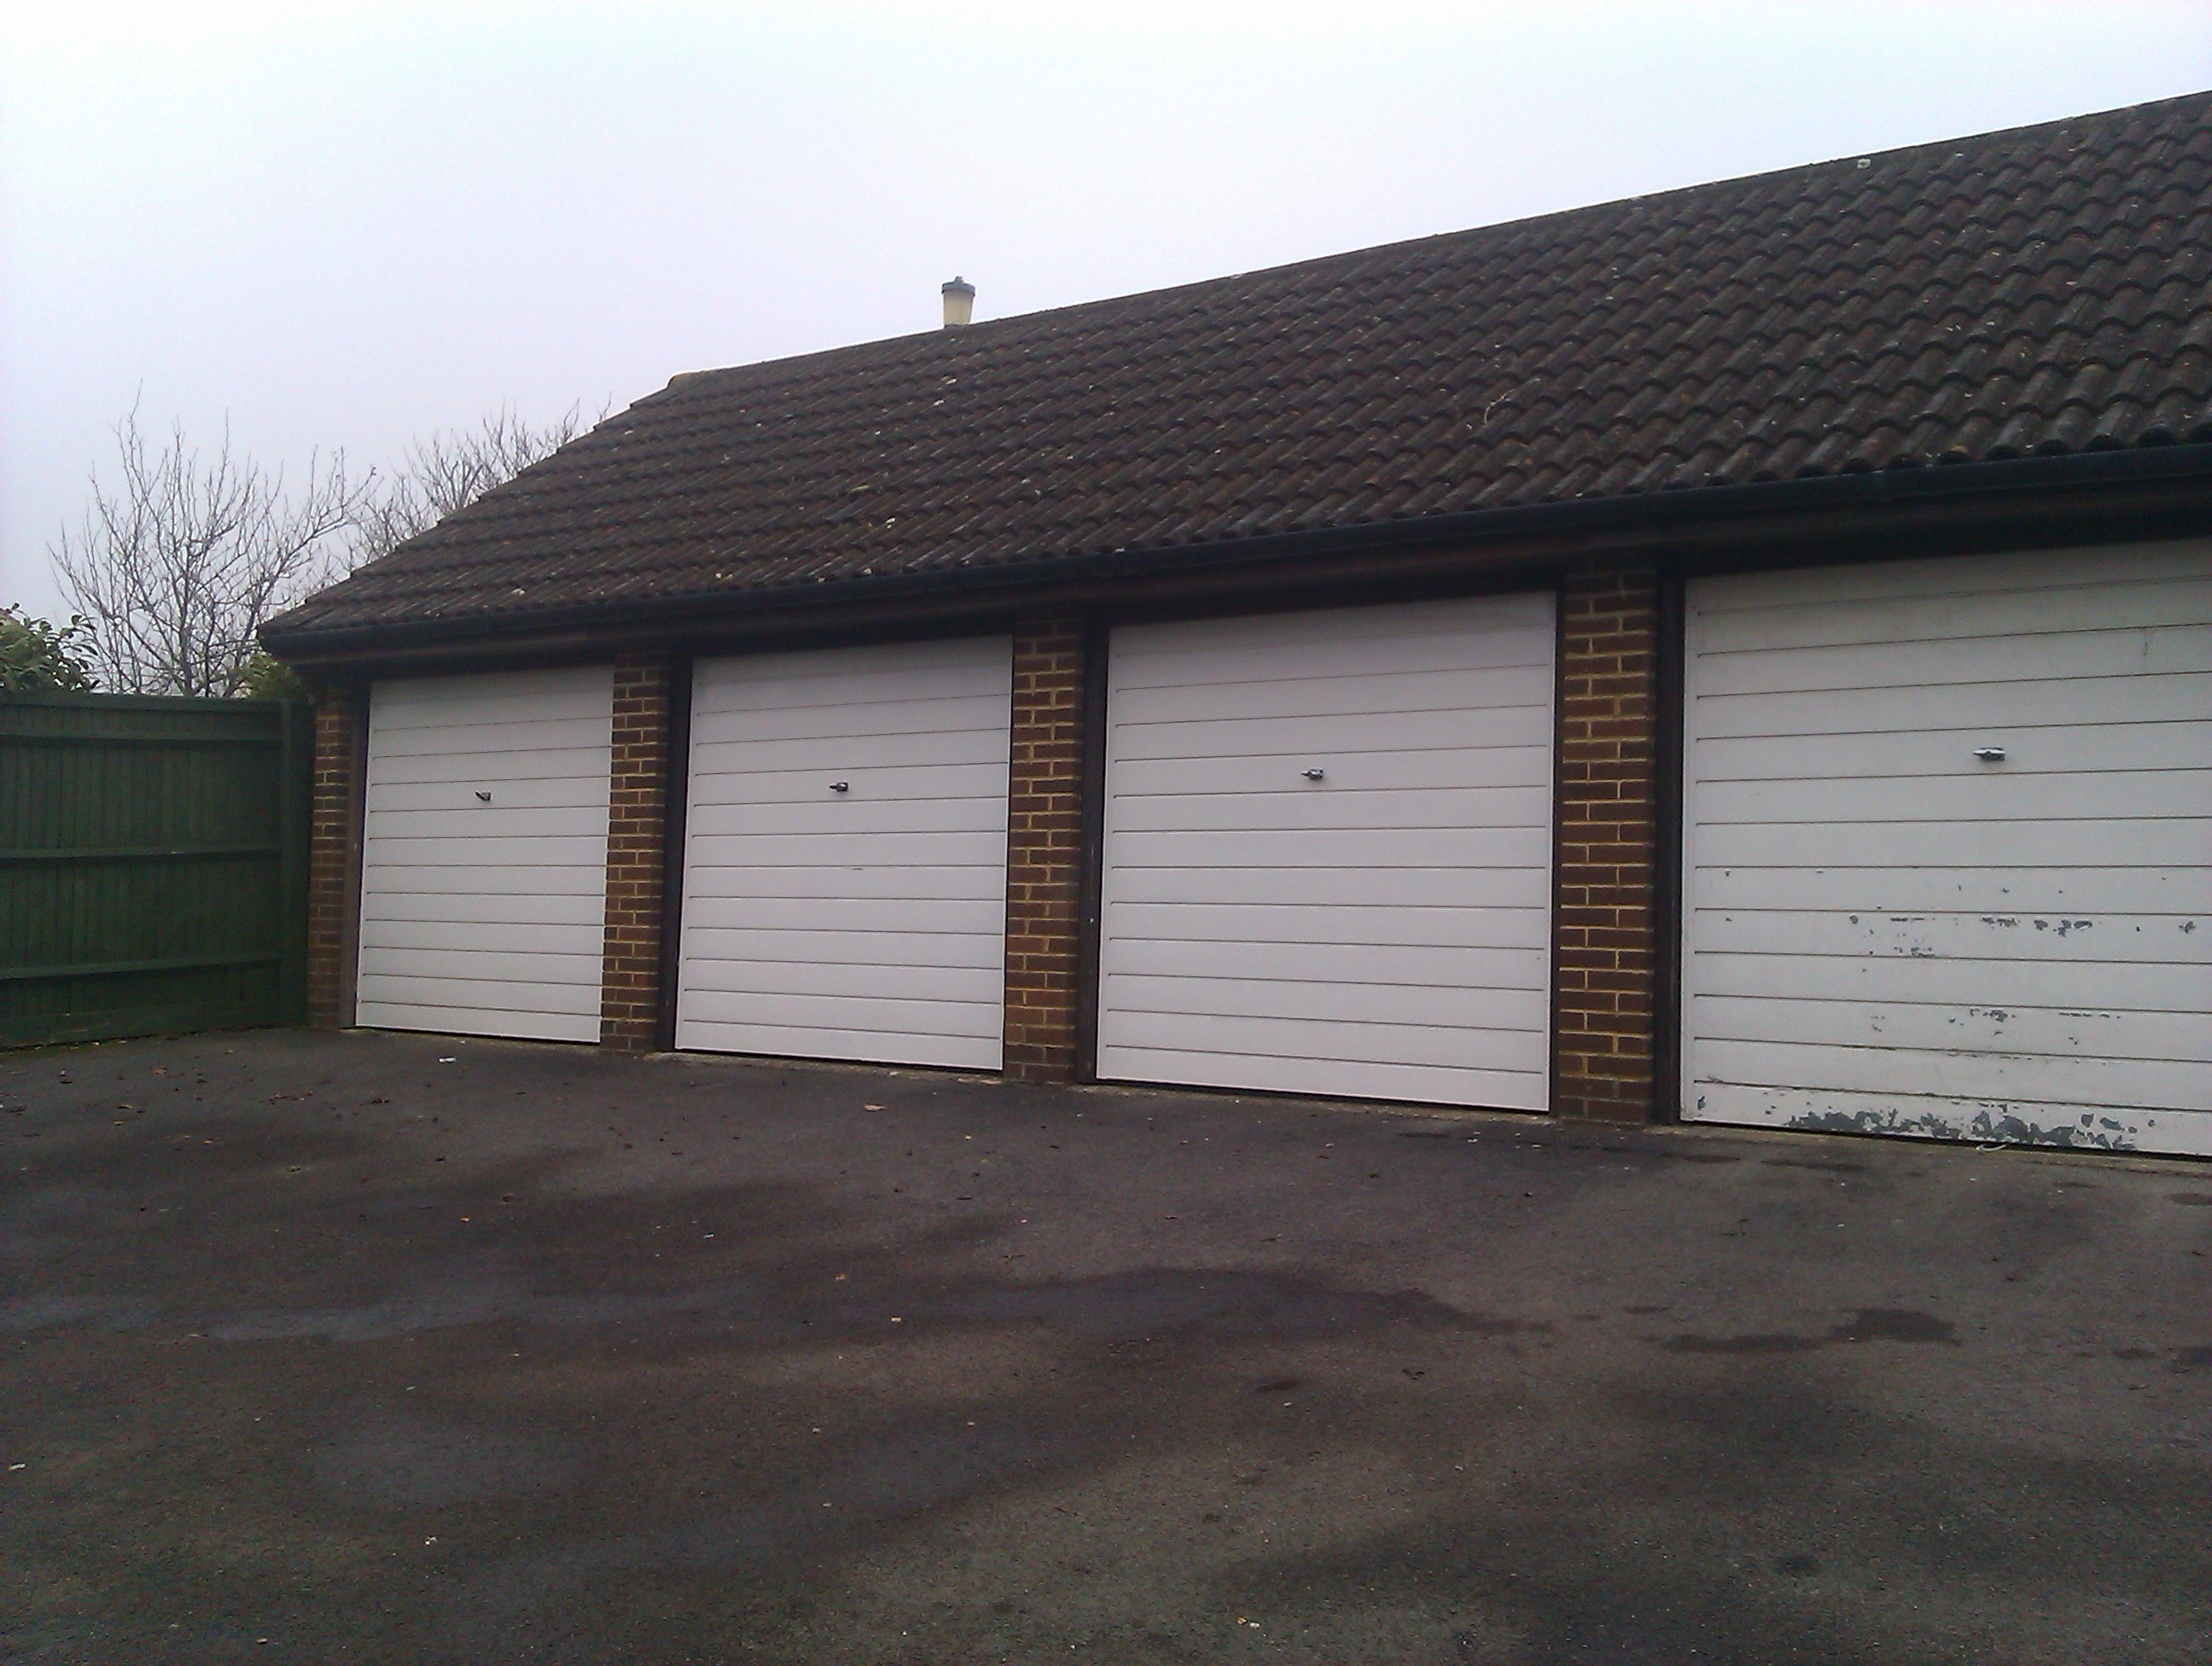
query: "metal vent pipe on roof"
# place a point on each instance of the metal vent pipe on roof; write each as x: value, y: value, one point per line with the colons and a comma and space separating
x: 959, y: 303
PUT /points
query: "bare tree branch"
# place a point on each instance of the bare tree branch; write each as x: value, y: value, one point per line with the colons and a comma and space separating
x: 449, y: 470
x: 176, y: 569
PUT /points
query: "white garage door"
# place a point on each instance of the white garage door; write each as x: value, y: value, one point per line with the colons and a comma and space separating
x: 1328, y: 853
x: 484, y: 853
x: 1947, y: 834
x: 845, y: 865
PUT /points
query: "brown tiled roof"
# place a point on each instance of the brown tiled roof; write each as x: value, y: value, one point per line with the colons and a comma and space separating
x: 2042, y: 291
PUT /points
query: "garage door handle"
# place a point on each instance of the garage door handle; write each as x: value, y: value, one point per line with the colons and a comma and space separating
x: 840, y: 786
x: 486, y: 796
x: 1313, y: 774
x: 1989, y: 754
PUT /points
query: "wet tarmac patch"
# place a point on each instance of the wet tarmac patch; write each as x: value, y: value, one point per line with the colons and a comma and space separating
x: 1755, y: 1342
x: 1868, y: 1324
x: 487, y: 1290
x: 1895, y: 1324
x: 546, y: 1401
x: 395, y: 1460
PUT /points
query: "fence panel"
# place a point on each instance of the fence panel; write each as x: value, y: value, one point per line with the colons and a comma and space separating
x: 153, y: 865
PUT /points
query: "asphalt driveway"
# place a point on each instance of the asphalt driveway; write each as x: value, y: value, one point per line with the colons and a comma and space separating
x: 386, y: 1347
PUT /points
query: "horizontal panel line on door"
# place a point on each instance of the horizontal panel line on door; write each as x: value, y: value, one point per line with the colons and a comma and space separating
x: 2159, y: 820
x: 588, y: 877
x: 1486, y: 707
x: 1259, y: 766
x: 496, y: 820
x: 1968, y: 766
x: 2069, y: 1103
x: 593, y: 874
x: 1897, y: 916
x: 827, y: 829
x: 1798, y: 737
x: 501, y: 949
x: 1153, y: 869
x: 1180, y: 639
x: 1243, y: 755
x: 478, y: 773
x: 784, y: 965
x: 1282, y: 830
x: 463, y: 745
x: 1883, y: 622
x: 810, y: 929
x: 1226, y: 1051
x: 722, y: 733
x: 799, y: 896
x: 1976, y: 1053
x: 2009, y: 870
x: 855, y: 794
x: 454, y: 1021
x: 474, y: 1005
x: 1507, y: 908
x: 1872, y: 1000
x: 490, y: 993
x: 1945, y: 637
x: 810, y: 768
x: 503, y: 759
x: 577, y: 704
x: 487, y: 835
x: 845, y: 1030
x: 818, y: 867
x: 1968, y: 763
x: 1486, y: 1030
x: 1398, y: 624
x: 1336, y: 790
x: 482, y: 718
x: 963, y: 1002
x: 953, y: 689
x: 435, y: 717
x: 2075, y: 682
x: 570, y: 1028
x: 735, y: 702
x: 584, y: 964
x: 1338, y: 948
x: 1446, y: 674
x: 1453, y: 987
x: 1248, y: 939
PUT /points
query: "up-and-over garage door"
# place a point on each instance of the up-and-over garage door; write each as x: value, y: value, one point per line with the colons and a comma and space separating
x: 484, y: 853
x: 1328, y: 853
x: 1948, y: 849
x: 845, y: 865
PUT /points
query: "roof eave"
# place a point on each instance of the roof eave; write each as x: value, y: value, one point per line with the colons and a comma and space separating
x: 1658, y: 517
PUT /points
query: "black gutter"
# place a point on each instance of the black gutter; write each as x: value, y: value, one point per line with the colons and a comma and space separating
x: 1656, y: 514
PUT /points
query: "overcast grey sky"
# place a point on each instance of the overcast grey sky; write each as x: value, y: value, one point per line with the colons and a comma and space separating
x: 343, y: 226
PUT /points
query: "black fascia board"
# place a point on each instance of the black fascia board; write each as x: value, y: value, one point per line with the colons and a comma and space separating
x: 1658, y: 514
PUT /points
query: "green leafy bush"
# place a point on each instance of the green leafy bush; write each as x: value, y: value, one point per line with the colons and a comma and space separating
x: 35, y: 655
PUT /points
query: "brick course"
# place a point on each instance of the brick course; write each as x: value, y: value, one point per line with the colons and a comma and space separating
x: 637, y: 813
x: 1044, y: 844
x: 341, y: 722
x: 1602, y: 928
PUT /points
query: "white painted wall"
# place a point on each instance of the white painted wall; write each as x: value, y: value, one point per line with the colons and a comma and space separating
x: 1882, y: 930
x: 865, y: 924
x: 1384, y: 932
x: 486, y: 918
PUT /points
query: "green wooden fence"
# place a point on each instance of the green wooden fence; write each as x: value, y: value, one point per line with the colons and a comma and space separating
x: 153, y: 865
